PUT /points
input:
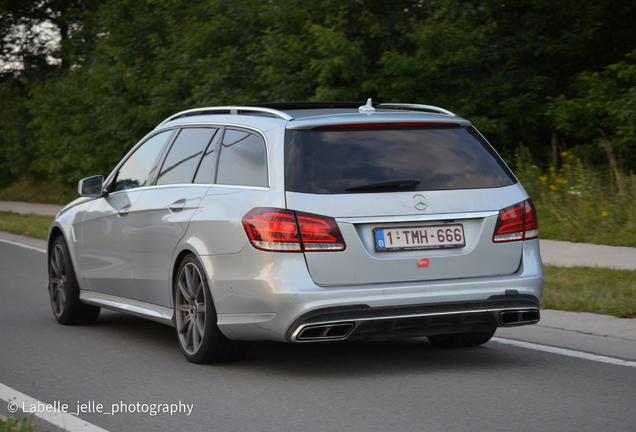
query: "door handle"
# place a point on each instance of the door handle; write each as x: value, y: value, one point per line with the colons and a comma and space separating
x: 177, y: 206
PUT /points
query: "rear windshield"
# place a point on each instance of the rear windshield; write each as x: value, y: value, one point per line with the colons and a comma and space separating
x: 337, y: 161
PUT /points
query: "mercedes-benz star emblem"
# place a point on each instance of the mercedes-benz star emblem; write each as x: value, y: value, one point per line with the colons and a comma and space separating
x: 419, y: 202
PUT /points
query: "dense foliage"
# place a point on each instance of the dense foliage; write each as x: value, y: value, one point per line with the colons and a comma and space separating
x: 551, y: 75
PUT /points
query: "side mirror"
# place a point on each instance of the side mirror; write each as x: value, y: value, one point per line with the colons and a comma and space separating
x: 91, y: 186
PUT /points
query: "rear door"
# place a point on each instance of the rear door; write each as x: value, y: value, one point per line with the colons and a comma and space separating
x: 160, y: 217
x: 413, y: 203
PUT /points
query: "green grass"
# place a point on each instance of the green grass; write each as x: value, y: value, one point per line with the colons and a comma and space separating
x: 580, y: 204
x: 29, y: 225
x: 590, y: 289
x: 38, y: 192
x: 13, y: 425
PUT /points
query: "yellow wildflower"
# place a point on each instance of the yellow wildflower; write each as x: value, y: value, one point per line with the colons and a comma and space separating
x: 564, y: 154
x: 543, y: 178
x: 605, y: 213
x: 553, y: 187
x: 552, y: 169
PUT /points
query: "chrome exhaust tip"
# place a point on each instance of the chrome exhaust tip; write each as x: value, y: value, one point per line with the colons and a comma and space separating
x: 511, y: 318
x: 337, y: 331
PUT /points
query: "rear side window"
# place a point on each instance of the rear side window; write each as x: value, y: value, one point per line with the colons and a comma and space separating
x: 243, y: 160
x: 184, y: 156
x: 440, y: 158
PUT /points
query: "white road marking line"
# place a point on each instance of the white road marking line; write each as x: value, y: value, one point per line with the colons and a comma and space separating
x: 63, y: 420
x: 566, y: 352
x: 23, y: 245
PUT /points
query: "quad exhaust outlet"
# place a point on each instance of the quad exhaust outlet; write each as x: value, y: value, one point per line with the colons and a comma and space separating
x: 325, y: 332
x: 518, y: 317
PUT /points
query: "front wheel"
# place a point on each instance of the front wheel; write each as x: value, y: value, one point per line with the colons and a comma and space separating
x: 195, y: 317
x: 64, y: 289
x: 461, y: 340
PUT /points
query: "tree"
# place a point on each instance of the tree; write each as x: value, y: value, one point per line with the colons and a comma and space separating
x: 38, y: 39
x: 603, y: 115
x: 498, y: 63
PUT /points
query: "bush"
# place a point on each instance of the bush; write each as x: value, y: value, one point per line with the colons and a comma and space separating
x: 578, y: 203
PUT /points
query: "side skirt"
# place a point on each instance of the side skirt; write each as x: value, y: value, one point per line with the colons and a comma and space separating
x: 132, y: 307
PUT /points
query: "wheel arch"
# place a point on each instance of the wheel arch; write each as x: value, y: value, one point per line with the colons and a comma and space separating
x: 175, y: 269
x: 183, y: 249
x: 54, y: 232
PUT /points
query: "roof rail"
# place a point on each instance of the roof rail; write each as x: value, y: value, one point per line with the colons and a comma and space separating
x: 285, y: 106
x: 234, y: 109
x: 417, y: 106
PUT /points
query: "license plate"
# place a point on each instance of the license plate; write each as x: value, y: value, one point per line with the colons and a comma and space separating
x: 415, y: 238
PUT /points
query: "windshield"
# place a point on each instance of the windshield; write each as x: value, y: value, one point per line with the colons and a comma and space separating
x: 389, y: 159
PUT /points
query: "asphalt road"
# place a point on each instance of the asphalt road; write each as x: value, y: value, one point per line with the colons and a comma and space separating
x: 383, y: 386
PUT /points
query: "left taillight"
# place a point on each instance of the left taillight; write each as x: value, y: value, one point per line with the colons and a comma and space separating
x: 517, y: 222
x: 281, y: 230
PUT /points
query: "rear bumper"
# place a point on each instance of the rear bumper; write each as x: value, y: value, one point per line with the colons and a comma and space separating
x: 280, y: 301
x: 360, y: 322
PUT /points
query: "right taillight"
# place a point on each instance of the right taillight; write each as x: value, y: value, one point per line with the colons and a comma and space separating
x: 280, y: 230
x: 319, y: 233
x: 517, y: 222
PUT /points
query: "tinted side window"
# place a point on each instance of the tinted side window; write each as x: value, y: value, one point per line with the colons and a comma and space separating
x: 207, y: 167
x: 243, y: 160
x: 137, y: 169
x: 184, y: 156
x: 355, y: 160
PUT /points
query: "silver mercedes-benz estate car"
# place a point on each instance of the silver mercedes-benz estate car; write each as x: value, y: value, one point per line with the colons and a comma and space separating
x: 303, y: 222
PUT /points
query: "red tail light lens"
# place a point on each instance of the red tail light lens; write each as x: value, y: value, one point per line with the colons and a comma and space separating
x: 273, y: 229
x: 319, y: 233
x: 517, y: 222
x: 531, y: 222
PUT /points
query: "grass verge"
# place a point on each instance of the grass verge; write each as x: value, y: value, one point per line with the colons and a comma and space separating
x: 38, y: 192
x: 590, y: 289
x: 579, y: 203
x: 13, y: 425
x: 29, y: 225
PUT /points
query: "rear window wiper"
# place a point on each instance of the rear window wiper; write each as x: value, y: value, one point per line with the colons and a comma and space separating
x: 387, y: 184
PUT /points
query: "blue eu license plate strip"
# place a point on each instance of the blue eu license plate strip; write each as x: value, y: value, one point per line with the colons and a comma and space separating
x: 379, y: 239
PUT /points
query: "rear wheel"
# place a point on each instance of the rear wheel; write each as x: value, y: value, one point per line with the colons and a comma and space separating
x: 199, y: 336
x: 64, y: 289
x: 461, y: 340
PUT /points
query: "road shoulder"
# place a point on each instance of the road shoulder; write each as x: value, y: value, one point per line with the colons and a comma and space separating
x: 580, y: 331
x: 30, y: 208
x: 566, y: 254
x: 23, y: 240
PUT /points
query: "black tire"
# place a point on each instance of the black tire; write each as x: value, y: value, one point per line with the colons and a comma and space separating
x: 200, y: 339
x: 64, y: 290
x: 461, y: 340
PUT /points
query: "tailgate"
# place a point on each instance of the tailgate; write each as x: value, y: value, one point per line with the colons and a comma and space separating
x: 363, y: 262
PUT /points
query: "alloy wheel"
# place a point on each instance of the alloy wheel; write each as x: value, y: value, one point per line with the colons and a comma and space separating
x: 57, y: 280
x: 190, y: 308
